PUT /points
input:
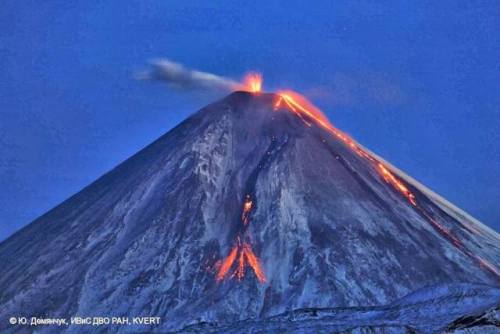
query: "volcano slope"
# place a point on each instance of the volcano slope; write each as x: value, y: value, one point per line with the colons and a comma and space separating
x: 169, y: 231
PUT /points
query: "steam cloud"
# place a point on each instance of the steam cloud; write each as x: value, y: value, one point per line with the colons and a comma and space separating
x: 178, y: 76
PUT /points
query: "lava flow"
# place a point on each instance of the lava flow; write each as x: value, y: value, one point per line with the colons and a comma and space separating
x: 300, y: 106
x: 247, y: 207
x: 391, y: 179
x: 242, y: 251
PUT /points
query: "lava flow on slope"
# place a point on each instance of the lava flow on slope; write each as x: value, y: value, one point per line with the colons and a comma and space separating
x: 310, y: 114
x: 241, y: 253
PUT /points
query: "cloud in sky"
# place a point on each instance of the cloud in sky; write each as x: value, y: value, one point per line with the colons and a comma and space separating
x: 178, y: 76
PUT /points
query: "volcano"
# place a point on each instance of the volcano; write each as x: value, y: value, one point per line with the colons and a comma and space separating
x: 250, y: 210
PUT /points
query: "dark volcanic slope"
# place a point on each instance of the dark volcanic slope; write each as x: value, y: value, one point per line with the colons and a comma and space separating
x: 452, y: 308
x: 144, y: 239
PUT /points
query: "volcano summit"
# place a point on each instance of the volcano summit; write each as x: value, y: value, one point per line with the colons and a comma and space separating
x: 256, y: 208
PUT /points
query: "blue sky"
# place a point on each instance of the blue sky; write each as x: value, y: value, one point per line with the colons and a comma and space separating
x: 415, y: 81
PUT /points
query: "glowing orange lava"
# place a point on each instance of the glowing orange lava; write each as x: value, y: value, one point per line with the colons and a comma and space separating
x: 300, y: 106
x: 227, y: 263
x: 241, y: 254
x: 252, y: 82
x: 246, y: 256
x: 254, y: 262
x: 243, y: 251
x: 391, y: 179
x: 247, y: 207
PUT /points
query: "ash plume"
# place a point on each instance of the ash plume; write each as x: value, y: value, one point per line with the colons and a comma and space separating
x: 178, y: 76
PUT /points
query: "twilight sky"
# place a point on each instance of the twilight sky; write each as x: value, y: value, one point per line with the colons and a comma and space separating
x: 416, y: 81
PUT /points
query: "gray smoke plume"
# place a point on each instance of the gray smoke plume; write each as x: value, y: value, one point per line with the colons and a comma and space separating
x: 178, y: 76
